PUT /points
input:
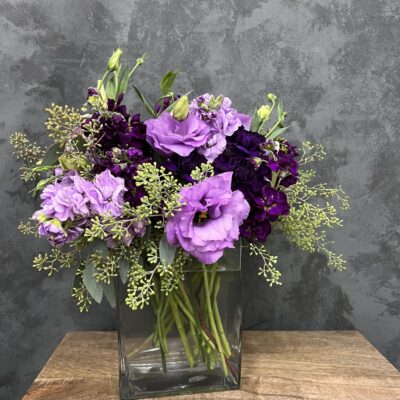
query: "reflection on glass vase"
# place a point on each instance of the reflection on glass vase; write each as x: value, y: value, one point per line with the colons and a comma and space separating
x: 188, y: 340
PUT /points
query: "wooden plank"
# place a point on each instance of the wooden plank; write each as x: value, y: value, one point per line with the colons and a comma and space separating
x: 276, y: 365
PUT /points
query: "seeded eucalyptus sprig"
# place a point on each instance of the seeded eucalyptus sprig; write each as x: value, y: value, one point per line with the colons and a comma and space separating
x: 314, y: 208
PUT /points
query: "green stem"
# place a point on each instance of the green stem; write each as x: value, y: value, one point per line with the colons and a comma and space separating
x: 181, y: 330
x: 140, y: 347
x: 100, y: 83
x: 212, y: 321
x: 160, y: 334
x: 161, y: 325
x: 221, y: 331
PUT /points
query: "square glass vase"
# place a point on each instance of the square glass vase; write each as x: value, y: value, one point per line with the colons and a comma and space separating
x: 187, y: 340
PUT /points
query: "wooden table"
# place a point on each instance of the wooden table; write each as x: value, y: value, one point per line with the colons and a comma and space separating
x: 330, y: 365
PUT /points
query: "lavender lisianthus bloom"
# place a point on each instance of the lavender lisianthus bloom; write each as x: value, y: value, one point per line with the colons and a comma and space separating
x: 168, y: 135
x: 222, y: 119
x: 210, y: 219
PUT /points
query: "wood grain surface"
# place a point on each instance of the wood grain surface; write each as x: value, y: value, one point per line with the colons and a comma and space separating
x: 330, y: 365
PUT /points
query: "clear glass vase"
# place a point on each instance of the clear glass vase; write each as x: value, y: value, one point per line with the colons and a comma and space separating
x: 187, y: 341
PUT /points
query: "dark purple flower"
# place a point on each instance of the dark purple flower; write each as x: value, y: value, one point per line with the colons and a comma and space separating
x: 253, y: 161
x: 118, y: 128
x: 92, y: 92
x: 123, y: 146
x: 182, y: 167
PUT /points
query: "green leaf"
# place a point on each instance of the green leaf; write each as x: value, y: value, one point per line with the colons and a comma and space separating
x: 94, y: 288
x: 110, y: 88
x: 143, y: 99
x: 109, y: 293
x: 123, y: 270
x: 279, y: 109
x: 43, y: 183
x: 123, y: 81
x: 167, y: 82
x: 167, y: 253
x: 52, y: 154
x: 276, y: 132
x: 255, y: 123
x: 98, y: 245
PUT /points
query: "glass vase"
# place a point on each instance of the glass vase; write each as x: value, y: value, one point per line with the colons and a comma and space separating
x: 187, y: 340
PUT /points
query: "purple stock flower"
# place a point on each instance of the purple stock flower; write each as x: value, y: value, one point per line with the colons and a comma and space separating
x: 67, y: 204
x: 54, y: 231
x: 182, y: 167
x: 210, y: 218
x: 117, y: 127
x: 222, y: 119
x: 272, y: 203
x: 169, y: 136
x: 64, y: 200
x: 111, y: 198
x: 253, y: 178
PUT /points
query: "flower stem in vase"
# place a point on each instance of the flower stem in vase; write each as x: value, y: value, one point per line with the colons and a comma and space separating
x: 225, y: 344
x: 211, y: 318
x: 181, y: 329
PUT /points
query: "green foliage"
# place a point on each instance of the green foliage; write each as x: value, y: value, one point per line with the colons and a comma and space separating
x: 149, y: 108
x: 62, y: 121
x: 171, y: 274
x: 93, y: 286
x: 167, y: 82
x: 262, y: 123
x: 116, y: 78
x: 79, y: 291
x: 162, y: 189
x: 148, y: 265
x: 203, y: 172
x: 140, y: 287
x: 54, y: 260
x: 28, y: 228
x: 105, y: 268
x: 30, y: 153
x: 167, y: 252
x: 311, y: 152
x: 267, y: 270
x: 313, y: 210
x: 24, y: 149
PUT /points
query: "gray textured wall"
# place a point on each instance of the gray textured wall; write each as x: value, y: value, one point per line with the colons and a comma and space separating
x: 336, y: 64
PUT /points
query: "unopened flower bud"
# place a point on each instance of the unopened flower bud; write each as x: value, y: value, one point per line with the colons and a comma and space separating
x: 56, y: 223
x: 256, y: 161
x: 73, y: 163
x: 140, y: 60
x: 263, y: 112
x: 271, y: 97
x: 181, y: 109
x: 41, y: 218
x: 113, y: 62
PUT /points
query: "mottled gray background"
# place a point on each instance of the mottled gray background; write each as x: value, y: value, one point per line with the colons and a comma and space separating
x: 335, y: 63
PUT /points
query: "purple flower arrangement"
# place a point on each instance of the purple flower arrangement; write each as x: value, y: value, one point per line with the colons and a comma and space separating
x: 143, y: 198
